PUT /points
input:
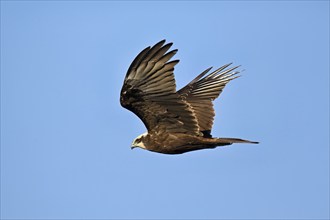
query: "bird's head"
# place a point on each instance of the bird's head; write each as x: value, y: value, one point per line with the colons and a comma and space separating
x: 138, y: 142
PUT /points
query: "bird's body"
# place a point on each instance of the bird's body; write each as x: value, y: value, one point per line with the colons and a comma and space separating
x: 177, y: 121
x: 178, y: 143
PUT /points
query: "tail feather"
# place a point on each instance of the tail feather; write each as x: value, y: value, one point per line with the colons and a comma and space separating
x: 234, y: 140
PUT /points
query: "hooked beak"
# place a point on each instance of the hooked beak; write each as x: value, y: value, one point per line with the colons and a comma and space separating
x: 132, y: 147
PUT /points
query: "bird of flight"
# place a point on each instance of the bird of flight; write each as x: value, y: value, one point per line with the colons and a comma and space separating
x: 177, y: 121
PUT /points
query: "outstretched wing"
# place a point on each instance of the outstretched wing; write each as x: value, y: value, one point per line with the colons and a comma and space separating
x: 201, y: 91
x: 149, y: 91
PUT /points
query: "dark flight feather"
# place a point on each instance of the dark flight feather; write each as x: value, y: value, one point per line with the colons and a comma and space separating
x: 201, y: 91
x: 149, y: 91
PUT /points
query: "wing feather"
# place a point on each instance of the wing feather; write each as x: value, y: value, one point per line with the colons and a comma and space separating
x: 149, y: 91
x: 201, y: 91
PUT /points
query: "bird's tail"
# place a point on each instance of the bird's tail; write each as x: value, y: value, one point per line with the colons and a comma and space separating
x: 227, y: 141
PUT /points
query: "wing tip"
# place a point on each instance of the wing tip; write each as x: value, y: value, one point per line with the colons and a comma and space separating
x: 162, y: 41
x: 174, y: 61
x: 174, y: 51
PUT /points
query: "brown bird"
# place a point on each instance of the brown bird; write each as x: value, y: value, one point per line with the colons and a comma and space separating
x: 177, y: 121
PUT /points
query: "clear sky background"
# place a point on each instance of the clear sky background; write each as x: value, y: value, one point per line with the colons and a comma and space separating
x: 65, y: 139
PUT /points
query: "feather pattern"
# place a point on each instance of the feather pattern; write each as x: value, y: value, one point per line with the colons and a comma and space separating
x: 149, y: 91
x: 201, y: 91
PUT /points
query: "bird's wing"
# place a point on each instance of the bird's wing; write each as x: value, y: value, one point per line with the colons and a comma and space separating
x: 149, y: 91
x: 201, y: 91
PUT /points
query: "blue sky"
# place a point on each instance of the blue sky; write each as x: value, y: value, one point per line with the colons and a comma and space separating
x: 65, y: 139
